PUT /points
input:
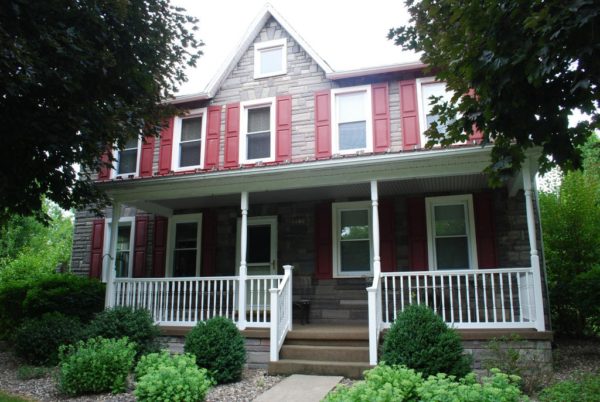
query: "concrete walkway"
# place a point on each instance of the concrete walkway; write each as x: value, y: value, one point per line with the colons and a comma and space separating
x: 300, y: 388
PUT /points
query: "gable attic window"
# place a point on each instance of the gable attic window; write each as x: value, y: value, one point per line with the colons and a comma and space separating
x: 188, y: 137
x: 270, y: 58
x: 127, y: 158
x: 352, y: 128
x: 257, y: 139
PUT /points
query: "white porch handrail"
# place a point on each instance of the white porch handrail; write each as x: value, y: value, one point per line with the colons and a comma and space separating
x: 281, y: 312
x: 375, y: 319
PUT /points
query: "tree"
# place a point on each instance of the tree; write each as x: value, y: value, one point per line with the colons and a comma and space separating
x: 518, y: 69
x: 77, y: 76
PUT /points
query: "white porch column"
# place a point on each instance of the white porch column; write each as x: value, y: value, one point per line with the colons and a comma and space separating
x: 375, y: 217
x: 112, y: 255
x: 535, y: 259
x: 243, y: 268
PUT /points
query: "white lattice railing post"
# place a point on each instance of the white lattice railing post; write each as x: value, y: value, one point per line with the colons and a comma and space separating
x: 374, y: 319
x: 243, y: 268
x: 274, y: 352
x: 287, y: 270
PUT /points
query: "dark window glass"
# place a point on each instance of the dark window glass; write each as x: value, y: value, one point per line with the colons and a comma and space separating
x: 259, y: 244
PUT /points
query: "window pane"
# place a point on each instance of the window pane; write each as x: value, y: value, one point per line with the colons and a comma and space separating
x: 131, y: 143
x: 127, y: 161
x: 189, y: 154
x: 185, y: 235
x: 355, y: 225
x: 259, y: 119
x: 259, y: 244
x: 353, y: 135
x: 452, y: 253
x: 450, y: 220
x: 122, y: 264
x: 184, y: 263
x: 123, y: 236
x: 351, y: 107
x: 259, y: 146
x: 355, y: 256
x: 271, y: 60
x: 191, y: 129
x: 123, y: 252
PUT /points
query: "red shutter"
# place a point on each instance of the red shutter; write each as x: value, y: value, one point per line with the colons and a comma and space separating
x: 159, y: 254
x: 387, y: 235
x: 409, y: 115
x: 213, y: 137
x: 417, y: 234
x: 97, y: 248
x: 232, y: 135
x: 323, y: 246
x: 283, y: 144
x: 139, y: 246
x: 166, y: 148
x: 147, y: 156
x: 104, y: 172
x: 323, y: 124
x: 381, y: 117
x: 485, y: 230
x: 209, y: 242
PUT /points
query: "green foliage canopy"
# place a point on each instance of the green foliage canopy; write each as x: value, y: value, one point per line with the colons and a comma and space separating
x: 76, y: 76
x: 530, y: 64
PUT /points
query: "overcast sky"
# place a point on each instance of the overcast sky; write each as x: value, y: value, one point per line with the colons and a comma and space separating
x: 346, y: 34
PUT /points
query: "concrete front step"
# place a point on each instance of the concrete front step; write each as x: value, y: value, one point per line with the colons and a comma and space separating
x: 358, y: 354
x: 291, y: 366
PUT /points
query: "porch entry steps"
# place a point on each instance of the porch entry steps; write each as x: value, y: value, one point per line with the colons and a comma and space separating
x: 324, y: 350
x: 341, y: 300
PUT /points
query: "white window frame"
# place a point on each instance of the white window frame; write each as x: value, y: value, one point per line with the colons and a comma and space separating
x: 335, y: 134
x: 107, y: 262
x: 423, y: 104
x: 256, y: 104
x: 173, y: 221
x: 336, y: 215
x: 194, y: 113
x: 271, y: 44
x: 114, y: 170
x: 463, y: 199
x: 258, y: 221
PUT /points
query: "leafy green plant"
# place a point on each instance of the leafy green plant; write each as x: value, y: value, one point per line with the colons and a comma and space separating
x: 421, y: 340
x: 6, y: 397
x: 11, y: 306
x: 27, y: 372
x: 96, y: 365
x: 583, y: 389
x: 137, y: 325
x: 162, y: 377
x: 218, y: 347
x: 37, y: 339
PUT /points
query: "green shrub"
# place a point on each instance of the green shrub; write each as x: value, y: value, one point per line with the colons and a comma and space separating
x: 583, y: 389
x: 420, y: 339
x: 137, y: 325
x: 27, y: 372
x: 96, y: 365
x: 37, y: 339
x: 162, y: 377
x: 218, y: 347
x: 12, y: 296
x: 398, y: 383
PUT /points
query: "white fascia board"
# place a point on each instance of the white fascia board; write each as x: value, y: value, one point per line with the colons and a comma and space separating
x: 361, y: 72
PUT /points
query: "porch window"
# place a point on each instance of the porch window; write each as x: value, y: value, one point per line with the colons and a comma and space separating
x: 127, y: 158
x: 352, y: 119
x: 352, y: 239
x: 258, y: 133
x: 451, y: 232
x: 426, y: 88
x: 188, y: 135
x: 124, y: 256
x: 184, y: 242
x: 270, y: 58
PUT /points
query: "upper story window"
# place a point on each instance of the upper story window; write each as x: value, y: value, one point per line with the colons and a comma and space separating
x: 184, y: 245
x: 351, y: 125
x: 128, y: 158
x: 257, y: 142
x: 188, y: 138
x: 352, y: 240
x: 426, y: 88
x: 270, y: 58
x: 451, y: 232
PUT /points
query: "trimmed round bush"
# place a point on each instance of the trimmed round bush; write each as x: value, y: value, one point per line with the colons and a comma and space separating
x: 37, y: 339
x: 421, y: 340
x: 162, y: 377
x: 94, y: 366
x: 119, y: 322
x: 219, y: 347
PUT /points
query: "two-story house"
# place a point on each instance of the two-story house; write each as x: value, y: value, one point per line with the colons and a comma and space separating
x: 283, y: 162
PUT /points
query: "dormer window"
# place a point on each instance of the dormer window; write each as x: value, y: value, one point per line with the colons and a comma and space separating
x: 270, y: 58
x: 127, y: 158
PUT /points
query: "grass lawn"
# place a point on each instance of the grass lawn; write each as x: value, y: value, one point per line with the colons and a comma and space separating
x: 4, y: 397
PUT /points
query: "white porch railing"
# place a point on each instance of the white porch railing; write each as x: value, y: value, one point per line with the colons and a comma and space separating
x: 258, y: 299
x: 486, y: 298
x: 281, y: 312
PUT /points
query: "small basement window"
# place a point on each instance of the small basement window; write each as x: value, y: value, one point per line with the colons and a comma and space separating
x: 270, y: 58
